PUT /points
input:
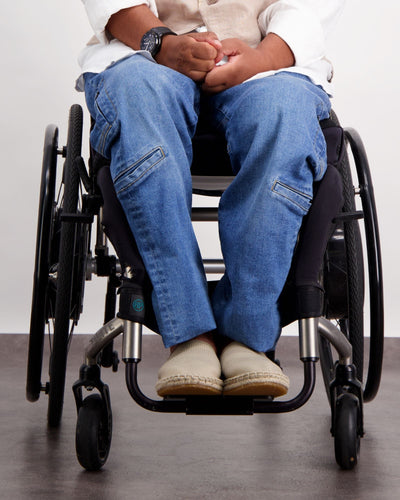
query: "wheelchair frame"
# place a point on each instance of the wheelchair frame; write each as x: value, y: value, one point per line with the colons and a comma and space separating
x: 64, y: 261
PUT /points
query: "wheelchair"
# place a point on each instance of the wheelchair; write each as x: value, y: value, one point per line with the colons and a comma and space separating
x: 324, y: 292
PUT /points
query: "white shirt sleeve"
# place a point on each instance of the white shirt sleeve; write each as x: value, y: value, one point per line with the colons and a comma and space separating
x: 303, y: 25
x: 100, y: 11
x: 327, y: 11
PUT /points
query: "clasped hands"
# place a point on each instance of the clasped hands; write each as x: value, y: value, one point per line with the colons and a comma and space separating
x: 197, y: 55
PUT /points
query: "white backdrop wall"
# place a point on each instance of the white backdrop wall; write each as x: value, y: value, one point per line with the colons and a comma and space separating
x: 40, y: 41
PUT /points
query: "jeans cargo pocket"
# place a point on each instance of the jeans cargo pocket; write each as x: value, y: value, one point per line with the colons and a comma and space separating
x: 138, y: 170
x: 294, y: 196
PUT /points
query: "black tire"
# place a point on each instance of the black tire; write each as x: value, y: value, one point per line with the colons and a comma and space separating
x: 375, y: 278
x: 344, y: 280
x: 353, y: 324
x: 345, y: 431
x: 93, y: 433
x: 41, y: 295
x: 65, y: 270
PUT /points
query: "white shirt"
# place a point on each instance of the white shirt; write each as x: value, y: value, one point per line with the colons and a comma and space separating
x: 303, y: 24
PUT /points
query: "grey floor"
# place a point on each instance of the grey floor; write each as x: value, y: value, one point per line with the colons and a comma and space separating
x: 157, y: 456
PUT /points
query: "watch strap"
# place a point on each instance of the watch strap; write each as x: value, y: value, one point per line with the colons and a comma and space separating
x: 157, y: 34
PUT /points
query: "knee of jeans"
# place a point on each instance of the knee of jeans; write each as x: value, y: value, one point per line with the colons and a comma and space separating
x: 138, y: 80
x: 287, y: 98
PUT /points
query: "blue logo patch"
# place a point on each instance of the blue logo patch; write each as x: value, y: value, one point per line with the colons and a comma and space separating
x: 138, y: 305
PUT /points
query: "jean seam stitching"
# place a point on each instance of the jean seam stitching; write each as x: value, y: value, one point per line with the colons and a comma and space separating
x: 141, y: 160
x: 300, y: 193
x: 103, y: 138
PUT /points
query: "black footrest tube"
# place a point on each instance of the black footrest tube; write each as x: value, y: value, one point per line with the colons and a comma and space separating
x: 173, y: 406
x: 263, y: 406
x: 220, y: 405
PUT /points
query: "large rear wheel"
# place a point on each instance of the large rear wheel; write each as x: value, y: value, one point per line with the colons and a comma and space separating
x: 67, y: 272
x: 42, y: 298
x: 344, y: 283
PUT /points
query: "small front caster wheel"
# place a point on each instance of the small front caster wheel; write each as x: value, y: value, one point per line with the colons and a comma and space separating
x: 93, y: 433
x: 346, y: 434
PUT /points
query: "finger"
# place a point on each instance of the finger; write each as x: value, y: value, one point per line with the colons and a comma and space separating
x: 210, y: 38
x: 201, y: 50
x: 196, y: 76
x: 218, y: 76
x: 207, y: 36
x: 220, y: 51
x: 203, y: 65
x: 232, y: 44
x: 215, y: 43
x: 213, y: 90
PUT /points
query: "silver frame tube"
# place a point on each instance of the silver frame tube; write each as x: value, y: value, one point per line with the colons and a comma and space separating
x: 308, y: 338
x: 338, y: 340
x: 132, y: 341
x: 101, y: 338
x: 214, y: 266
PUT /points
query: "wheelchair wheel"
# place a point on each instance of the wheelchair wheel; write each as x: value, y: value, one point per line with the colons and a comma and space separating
x: 353, y: 324
x: 70, y: 237
x: 374, y: 265
x: 344, y: 278
x: 93, y: 433
x: 345, y: 431
x: 41, y: 296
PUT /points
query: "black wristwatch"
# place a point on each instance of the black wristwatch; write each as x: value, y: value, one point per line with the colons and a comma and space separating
x: 152, y: 39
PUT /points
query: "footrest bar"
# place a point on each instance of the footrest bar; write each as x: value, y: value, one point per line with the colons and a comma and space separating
x: 220, y: 405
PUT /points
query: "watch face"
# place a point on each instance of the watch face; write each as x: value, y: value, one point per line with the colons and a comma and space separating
x: 150, y: 42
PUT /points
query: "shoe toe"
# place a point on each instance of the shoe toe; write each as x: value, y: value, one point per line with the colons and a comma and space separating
x: 193, y: 368
x: 249, y: 372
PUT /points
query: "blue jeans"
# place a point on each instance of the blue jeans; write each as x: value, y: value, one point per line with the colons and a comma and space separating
x: 145, y: 117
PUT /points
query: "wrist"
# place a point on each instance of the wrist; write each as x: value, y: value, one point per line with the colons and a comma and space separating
x: 263, y: 60
x: 166, y: 48
x: 275, y: 53
x: 152, y: 40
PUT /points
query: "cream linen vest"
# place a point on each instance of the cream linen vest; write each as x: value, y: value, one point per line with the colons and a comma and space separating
x: 226, y: 18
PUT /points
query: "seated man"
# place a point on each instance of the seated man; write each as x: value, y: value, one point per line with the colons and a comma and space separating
x: 257, y: 71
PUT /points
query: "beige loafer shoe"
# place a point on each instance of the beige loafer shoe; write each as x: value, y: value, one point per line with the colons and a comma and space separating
x: 193, y: 368
x: 251, y: 373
